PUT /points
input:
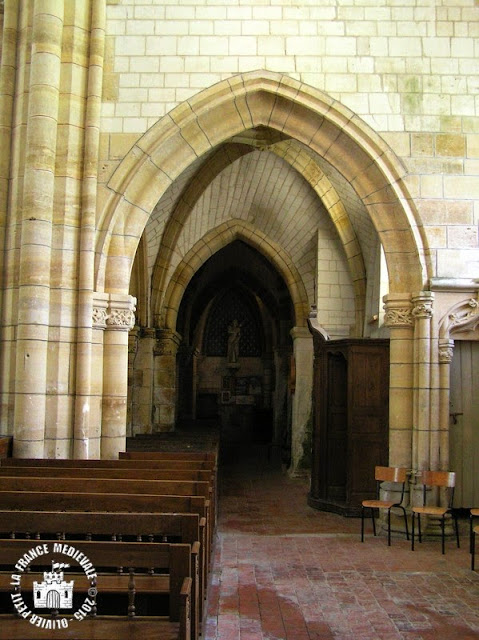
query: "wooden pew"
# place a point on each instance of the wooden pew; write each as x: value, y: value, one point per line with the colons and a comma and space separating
x: 168, y: 463
x: 183, y: 528
x: 201, y: 475
x: 115, y: 485
x: 169, y: 455
x: 109, y: 555
x: 116, y: 502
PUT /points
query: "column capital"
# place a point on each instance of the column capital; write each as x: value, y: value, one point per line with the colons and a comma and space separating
x: 99, y: 311
x: 446, y: 351
x: 167, y: 342
x: 398, y: 311
x: 422, y: 305
x: 121, y: 312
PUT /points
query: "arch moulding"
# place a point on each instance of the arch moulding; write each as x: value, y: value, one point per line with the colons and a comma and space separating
x: 217, y: 239
x: 229, y: 108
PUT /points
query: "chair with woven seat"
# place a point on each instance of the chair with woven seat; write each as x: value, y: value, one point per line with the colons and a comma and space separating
x: 397, y: 476
x: 439, y: 479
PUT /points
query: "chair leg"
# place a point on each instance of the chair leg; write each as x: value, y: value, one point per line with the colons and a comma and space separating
x: 412, y: 531
x: 470, y: 534
x: 362, y: 524
x: 405, y: 522
x: 389, y: 527
x: 457, y: 530
x: 419, y: 526
x: 473, y: 550
x: 443, y: 536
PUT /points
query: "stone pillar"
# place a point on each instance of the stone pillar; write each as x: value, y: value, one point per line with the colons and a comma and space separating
x: 8, y: 72
x: 120, y: 319
x: 93, y: 437
x: 268, y: 365
x: 85, y: 340
x: 187, y: 379
x: 141, y: 385
x: 422, y: 312
x: 36, y: 229
x: 164, y: 394
x: 302, y: 396
x: 399, y: 320
x: 281, y: 414
x: 446, y: 352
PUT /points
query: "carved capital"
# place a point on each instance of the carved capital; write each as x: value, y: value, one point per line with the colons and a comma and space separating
x: 446, y: 351
x: 422, y: 309
x: 100, y: 310
x: 398, y: 317
x: 398, y: 311
x: 167, y: 343
x: 121, y: 313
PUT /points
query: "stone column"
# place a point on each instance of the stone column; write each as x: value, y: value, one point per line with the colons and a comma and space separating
x: 85, y: 340
x: 281, y: 417
x: 92, y: 442
x: 141, y: 387
x: 8, y: 72
x: 302, y: 397
x: 399, y: 320
x: 187, y: 379
x: 446, y: 352
x: 164, y: 394
x: 36, y: 229
x: 422, y: 312
x: 120, y: 319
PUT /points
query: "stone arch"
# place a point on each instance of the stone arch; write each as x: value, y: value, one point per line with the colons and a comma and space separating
x: 215, y: 240
x: 227, y: 109
x: 299, y: 160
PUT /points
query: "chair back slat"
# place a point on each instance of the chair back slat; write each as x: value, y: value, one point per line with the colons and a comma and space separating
x: 438, y: 478
x: 390, y: 474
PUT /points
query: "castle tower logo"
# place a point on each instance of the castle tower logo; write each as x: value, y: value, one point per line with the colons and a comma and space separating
x: 53, y: 592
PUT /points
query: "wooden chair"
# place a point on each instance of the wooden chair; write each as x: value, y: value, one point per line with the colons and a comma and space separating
x: 440, y: 479
x: 397, y: 475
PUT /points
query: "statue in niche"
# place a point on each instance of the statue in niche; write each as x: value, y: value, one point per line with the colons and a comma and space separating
x: 234, y: 332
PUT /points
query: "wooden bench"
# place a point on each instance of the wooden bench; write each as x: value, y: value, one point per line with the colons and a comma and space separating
x: 116, y: 485
x: 194, y: 475
x: 106, y: 557
x: 168, y: 463
x: 117, y: 502
x: 158, y: 527
x: 169, y: 455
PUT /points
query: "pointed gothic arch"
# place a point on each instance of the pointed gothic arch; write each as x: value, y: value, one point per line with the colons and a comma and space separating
x: 235, y: 105
x: 212, y: 242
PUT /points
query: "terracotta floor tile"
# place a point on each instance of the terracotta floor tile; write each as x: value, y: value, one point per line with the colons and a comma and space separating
x: 284, y: 571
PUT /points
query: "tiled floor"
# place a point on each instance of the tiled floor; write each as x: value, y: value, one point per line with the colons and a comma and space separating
x: 284, y: 571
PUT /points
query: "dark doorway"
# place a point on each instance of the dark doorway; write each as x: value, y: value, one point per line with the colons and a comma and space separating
x: 245, y: 389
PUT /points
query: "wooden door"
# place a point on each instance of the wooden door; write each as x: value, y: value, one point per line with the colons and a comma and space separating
x: 464, y: 423
x: 336, y: 434
x: 368, y: 417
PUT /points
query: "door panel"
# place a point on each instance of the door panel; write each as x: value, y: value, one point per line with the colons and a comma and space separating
x: 464, y: 422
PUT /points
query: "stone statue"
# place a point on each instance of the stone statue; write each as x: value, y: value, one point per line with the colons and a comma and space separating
x: 234, y: 331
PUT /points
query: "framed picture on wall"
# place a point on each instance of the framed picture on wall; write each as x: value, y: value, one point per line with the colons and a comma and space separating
x: 225, y: 397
